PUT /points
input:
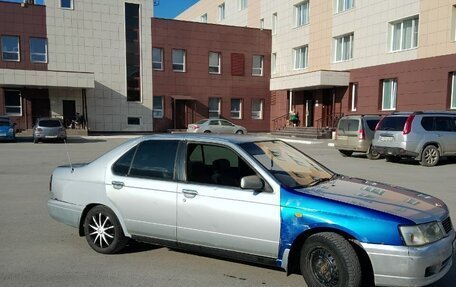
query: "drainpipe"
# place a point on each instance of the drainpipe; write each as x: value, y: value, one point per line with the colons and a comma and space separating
x: 291, y: 101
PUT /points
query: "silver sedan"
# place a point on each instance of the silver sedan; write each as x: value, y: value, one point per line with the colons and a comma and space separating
x: 215, y: 126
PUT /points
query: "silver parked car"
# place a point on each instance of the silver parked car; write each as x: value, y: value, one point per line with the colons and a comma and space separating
x: 258, y: 200
x: 49, y: 129
x: 215, y: 126
x: 424, y: 136
x: 354, y: 133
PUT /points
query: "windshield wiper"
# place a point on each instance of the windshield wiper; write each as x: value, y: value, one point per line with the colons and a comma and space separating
x: 318, y: 180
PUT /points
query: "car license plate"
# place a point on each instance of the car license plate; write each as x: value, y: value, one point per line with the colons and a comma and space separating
x: 51, y: 137
x: 386, y: 139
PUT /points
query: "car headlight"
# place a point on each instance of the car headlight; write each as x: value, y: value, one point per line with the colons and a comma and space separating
x: 422, y: 234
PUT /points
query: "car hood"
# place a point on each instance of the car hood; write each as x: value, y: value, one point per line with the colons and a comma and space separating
x: 4, y: 129
x: 398, y: 201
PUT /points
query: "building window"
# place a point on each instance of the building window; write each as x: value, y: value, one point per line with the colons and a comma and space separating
x: 389, y: 95
x: 257, y: 109
x: 178, y: 60
x: 221, y: 12
x: 404, y: 34
x: 13, y: 103
x: 453, y: 91
x: 274, y: 23
x: 157, y: 59
x: 274, y: 63
x: 242, y: 4
x: 38, y: 50
x: 134, y: 121
x: 343, y: 5
x: 262, y: 23
x: 214, y: 63
x: 301, y: 13
x: 203, y: 18
x: 158, y: 107
x: 10, y: 48
x: 300, y: 55
x: 353, y: 96
x: 133, y: 52
x: 257, y: 65
x: 343, y: 48
x: 66, y: 4
x: 236, y: 108
x: 214, y: 108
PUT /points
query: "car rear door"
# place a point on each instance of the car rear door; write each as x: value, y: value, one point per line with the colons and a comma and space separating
x: 227, y: 127
x: 142, y: 186
x: 218, y: 213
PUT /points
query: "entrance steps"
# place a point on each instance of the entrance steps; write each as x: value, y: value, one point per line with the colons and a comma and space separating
x: 304, y: 132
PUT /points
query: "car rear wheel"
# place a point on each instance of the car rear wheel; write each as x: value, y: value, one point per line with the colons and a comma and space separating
x: 207, y: 132
x: 239, y: 132
x: 430, y: 156
x: 345, y: 153
x: 103, y: 231
x: 328, y: 260
x: 372, y: 153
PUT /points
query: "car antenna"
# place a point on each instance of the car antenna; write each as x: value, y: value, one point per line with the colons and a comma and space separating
x: 68, y: 155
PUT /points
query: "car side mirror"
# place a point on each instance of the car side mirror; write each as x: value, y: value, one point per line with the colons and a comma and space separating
x: 252, y: 182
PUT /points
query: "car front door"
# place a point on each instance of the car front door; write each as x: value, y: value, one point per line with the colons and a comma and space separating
x: 446, y: 134
x: 227, y: 127
x: 214, y: 126
x: 213, y: 211
x: 141, y: 185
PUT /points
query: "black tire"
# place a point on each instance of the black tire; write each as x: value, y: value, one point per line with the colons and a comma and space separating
x: 239, y: 132
x: 103, y: 231
x: 35, y: 141
x: 372, y: 154
x: 430, y: 156
x: 328, y: 260
x: 392, y: 158
x: 207, y: 132
x: 345, y: 153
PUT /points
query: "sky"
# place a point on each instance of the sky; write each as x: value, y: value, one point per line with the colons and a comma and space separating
x: 165, y: 9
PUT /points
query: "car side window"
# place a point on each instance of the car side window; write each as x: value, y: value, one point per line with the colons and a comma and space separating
x: 150, y: 159
x: 427, y: 123
x: 342, y: 127
x: 213, y: 123
x: 372, y: 124
x: 443, y: 124
x: 225, y: 123
x: 212, y: 164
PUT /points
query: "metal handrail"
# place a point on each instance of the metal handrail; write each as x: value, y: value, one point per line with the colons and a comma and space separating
x: 280, y: 122
x: 331, y: 121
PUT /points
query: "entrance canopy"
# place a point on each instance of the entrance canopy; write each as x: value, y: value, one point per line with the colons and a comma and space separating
x: 312, y: 80
x: 33, y: 78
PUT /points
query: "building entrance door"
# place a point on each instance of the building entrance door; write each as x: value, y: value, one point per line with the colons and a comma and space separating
x: 41, y: 108
x: 183, y: 113
x: 69, y: 112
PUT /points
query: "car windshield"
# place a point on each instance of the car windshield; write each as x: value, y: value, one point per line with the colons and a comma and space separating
x: 4, y: 124
x: 201, y: 122
x: 49, y: 123
x: 288, y: 165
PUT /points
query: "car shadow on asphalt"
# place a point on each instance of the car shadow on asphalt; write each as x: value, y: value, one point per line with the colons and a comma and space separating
x: 138, y: 247
x: 408, y: 161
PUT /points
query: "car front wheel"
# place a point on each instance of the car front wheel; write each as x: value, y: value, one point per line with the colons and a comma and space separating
x: 103, y: 231
x: 430, y: 156
x: 328, y: 260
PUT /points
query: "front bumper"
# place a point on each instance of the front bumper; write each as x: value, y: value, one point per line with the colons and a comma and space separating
x: 65, y: 212
x: 411, y: 266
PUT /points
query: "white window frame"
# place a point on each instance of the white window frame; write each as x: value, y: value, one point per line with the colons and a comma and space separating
x: 218, y: 66
x: 301, y: 14
x: 203, y: 18
x: 67, y: 8
x: 414, y: 36
x: 299, y: 53
x: 184, y: 54
x: 275, y: 22
x: 453, y: 91
x: 18, y: 52
x: 339, y: 44
x: 392, y: 95
x: 20, y: 103
x: 158, y: 113
x: 257, y: 71
x: 242, y: 4
x: 354, y: 96
x: 221, y: 12
x: 157, y: 62
x: 343, y: 5
x: 257, y: 114
x: 39, y: 54
x: 274, y: 63
x: 238, y: 112
x: 218, y: 110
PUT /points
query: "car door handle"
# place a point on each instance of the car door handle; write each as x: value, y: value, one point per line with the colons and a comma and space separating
x: 118, y: 184
x: 189, y: 193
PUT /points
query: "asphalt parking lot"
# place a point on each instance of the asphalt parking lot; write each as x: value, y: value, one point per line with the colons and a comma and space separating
x: 38, y: 251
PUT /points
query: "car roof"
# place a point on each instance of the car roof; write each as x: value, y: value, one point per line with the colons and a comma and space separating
x: 234, y: 139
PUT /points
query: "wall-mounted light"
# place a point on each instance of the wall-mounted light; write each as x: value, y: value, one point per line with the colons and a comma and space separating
x: 316, y: 103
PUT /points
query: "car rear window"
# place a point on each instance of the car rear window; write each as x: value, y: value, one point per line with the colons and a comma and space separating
x: 372, y: 124
x: 392, y: 123
x: 201, y: 122
x: 49, y: 123
x: 348, y: 126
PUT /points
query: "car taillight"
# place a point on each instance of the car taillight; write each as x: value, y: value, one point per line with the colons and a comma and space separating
x: 195, y: 127
x: 408, y: 125
x: 379, y: 124
x: 361, y: 134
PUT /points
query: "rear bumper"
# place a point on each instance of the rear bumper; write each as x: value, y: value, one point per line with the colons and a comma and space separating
x: 411, y: 266
x: 65, y: 212
x: 395, y: 151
